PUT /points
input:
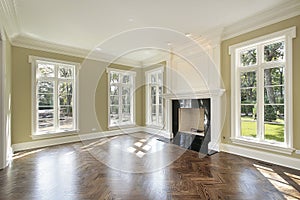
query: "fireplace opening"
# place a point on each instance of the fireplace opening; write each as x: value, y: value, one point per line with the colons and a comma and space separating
x: 191, y: 124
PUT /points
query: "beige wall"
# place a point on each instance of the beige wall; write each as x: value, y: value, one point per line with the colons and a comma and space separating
x: 93, y: 97
x: 226, y: 70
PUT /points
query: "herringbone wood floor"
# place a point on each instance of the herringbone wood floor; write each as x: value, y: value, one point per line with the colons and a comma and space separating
x: 141, y: 167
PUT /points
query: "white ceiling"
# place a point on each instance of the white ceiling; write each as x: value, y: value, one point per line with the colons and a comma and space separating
x: 87, y: 24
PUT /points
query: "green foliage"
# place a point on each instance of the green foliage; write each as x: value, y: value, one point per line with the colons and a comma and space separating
x: 270, y: 113
x: 248, y: 57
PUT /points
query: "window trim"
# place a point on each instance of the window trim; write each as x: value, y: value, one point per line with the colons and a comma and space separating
x: 148, y: 96
x: 34, y: 134
x: 288, y: 35
x: 125, y: 125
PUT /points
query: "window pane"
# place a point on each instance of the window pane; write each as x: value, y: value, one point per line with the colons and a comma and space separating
x: 114, y: 100
x: 45, y: 70
x: 65, y: 93
x: 248, y: 79
x: 248, y: 57
x: 153, y: 118
x: 160, y: 100
x: 159, y: 90
x: 114, y: 77
x: 126, y: 117
x: 114, y: 119
x: 274, y: 94
x: 126, y: 79
x: 160, y: 118
x: 153, y: 99
x: 248, y: 121
x: 126, y: 109
x: 65, y: 117
x: 274, y: 122
x: 65, y: 88
x: 65, y: 72
x: 153, y: 78
x: 154, y: 109
x: 45, y: 86
x: 45, y: 119
x: 126, y: 91
x: 153, y: 90
x: 45, y: 100
x: 274, y: 52
x: 114, y: 109
x: 160, y: 109
x: 274, y: 76
x: 248, y: 96
x: 159, y: 76
x: 114, y: 90
x: 126, y: 100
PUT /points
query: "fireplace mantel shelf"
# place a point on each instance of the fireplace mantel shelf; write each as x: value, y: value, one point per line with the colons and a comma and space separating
x: 194, y: 94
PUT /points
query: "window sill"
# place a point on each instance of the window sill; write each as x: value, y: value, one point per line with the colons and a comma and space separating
x: 47, y: 135
x: 273, y: 147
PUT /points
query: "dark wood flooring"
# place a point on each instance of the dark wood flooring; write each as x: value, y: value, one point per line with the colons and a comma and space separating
x: 138, y: 166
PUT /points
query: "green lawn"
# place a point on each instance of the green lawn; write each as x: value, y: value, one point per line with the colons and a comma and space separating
x: 273, y: 131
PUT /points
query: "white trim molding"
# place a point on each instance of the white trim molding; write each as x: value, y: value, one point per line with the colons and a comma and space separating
x: 120, y: 85
x: 34, y: 60
x: 261, y: 155
x: 284, y: 11
x: 285, y: 36
x: 9, y: 18
x: 83, y: 137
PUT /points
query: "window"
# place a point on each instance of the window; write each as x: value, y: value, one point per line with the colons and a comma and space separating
x: 120, y: 97
x: 154, y: 100
x: 54, y: 89
x: 262, y: 89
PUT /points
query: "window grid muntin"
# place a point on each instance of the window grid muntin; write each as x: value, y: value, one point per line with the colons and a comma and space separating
x: 120, y: 86
x: 56, y: 107
x: 260, y: 66
x: 154, y: 109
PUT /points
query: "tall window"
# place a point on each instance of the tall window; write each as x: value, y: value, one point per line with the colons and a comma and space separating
x: 154, y: 101
x: 54, y: 88
x: 121, y: 97
x: 261, y: 85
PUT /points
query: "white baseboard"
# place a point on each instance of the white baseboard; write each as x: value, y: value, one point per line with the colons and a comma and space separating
x: 261, y: 155
x: 158, y: 132
x: 73, y: 138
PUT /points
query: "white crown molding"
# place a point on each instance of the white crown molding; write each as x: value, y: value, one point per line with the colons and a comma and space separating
x: 26, y: 41
x: 279, y: 13
x: 8, y: 17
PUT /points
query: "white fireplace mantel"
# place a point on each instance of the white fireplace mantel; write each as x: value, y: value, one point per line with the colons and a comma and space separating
x: 216, y: 116
x: 194, y: 95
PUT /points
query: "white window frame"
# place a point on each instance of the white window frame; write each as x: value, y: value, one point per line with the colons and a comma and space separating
x: 282, y: 147
x: 58, y: 132
x: 132, y: 100
x: 148, y: 74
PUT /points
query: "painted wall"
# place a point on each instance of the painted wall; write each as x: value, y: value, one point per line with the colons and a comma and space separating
x: 226, y: 73
x: 92, y: 93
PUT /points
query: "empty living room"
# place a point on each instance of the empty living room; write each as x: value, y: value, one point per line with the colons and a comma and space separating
x: 135, y: 99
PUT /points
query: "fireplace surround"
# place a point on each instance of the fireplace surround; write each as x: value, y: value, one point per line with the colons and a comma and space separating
x: 211, y: 99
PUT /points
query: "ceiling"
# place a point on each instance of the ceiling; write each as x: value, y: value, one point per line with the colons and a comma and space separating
x: 91, y: 24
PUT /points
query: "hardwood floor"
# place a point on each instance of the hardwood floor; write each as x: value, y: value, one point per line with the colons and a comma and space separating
x: 138, y: 166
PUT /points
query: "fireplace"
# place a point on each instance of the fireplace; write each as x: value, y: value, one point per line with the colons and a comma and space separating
x: 191, y: 123
x: 210, y: 100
